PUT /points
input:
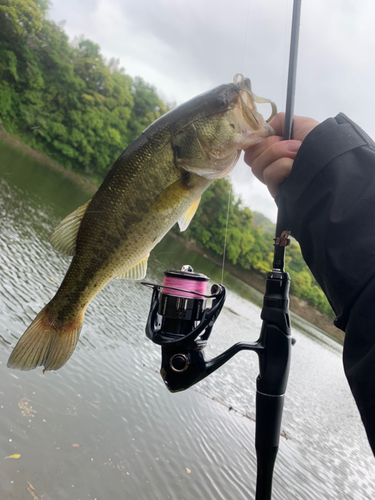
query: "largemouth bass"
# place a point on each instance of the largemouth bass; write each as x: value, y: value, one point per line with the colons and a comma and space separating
x: 157, y: 181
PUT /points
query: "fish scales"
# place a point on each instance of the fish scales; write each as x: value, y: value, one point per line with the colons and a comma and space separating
x: 156, y: 181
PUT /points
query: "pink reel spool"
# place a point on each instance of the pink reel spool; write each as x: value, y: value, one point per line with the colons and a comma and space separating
x: 185, y: 283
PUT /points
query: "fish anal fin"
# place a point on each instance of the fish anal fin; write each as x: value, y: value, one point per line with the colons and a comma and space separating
x: 137, y: 272
x: 42, y: 345
x: 64, y: 237
x: 185, y: 219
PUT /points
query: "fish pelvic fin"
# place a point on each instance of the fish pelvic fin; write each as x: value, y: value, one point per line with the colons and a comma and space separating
x: 185, y: 219
x: 43, y: 344
x: 137, y: 272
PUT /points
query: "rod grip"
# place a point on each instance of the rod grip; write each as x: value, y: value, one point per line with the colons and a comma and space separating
x: 266, y: 457
x: 269, y: 410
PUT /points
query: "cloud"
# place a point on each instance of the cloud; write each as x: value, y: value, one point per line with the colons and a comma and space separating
x: 252, y: 192
x: 187, y: 47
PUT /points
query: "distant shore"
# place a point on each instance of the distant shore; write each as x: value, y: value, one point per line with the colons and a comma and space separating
x: 255, y: 280
x: 42, y: 158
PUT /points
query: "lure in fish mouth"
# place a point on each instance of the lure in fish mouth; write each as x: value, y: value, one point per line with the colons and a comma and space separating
x: 235, y: 124
x: 157, y: 181
x: 249, y: 99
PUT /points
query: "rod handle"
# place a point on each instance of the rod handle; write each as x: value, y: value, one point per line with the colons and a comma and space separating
x: 266, y: 457
x: 269, y: 410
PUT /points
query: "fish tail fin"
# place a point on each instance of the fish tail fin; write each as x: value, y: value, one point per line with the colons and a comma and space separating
x: 44, y: 344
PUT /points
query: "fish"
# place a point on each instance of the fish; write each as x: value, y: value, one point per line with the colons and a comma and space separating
x: 157, y: 181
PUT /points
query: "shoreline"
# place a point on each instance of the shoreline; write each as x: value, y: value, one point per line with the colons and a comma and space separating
x: 257, y: 281
x: 253, y: 279
x: 42, y: 158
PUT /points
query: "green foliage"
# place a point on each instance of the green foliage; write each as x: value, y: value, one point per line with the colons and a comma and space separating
x: 262, y: 222
x: 63, y: 98
x: 303, y: 283
x: 67, y: 101
x: 147, y: 107
x: 249, y: 245
x: 18, y: 18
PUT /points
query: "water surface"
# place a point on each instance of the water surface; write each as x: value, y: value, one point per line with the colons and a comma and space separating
x: 104, y: 426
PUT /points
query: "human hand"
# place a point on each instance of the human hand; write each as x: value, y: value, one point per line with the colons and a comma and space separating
x: 272, y: 159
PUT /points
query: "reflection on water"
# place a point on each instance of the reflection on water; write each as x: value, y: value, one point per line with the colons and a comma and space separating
x: 105, y: 427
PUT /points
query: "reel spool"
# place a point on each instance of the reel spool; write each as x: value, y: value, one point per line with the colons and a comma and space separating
x: 181, y: 323
x: 182, y: 301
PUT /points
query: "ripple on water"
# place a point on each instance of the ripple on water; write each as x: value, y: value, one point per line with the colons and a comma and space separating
x: 132, y: 438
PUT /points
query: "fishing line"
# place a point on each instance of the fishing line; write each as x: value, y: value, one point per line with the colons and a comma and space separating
x: 192, y: 287
x: 226, y: 232
x: 246, y: 30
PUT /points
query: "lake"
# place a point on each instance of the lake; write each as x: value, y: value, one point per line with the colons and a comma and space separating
x: 105, y: 427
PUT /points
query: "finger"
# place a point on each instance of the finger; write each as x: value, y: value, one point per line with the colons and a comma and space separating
x: 277, y: 151
x: 276, y: 173
x: 302, y: 125
x: 277, y: 123
x: 254, y: 151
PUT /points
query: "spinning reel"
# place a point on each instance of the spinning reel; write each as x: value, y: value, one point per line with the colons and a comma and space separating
x: 181, y: 324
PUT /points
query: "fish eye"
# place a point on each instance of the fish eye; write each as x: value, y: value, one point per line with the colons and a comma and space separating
x: 220, y: 102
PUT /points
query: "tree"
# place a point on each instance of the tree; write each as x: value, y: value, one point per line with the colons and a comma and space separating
x: 64, y: 99
x: 147, y: 107
x: 67, y: 101
x: 248, y: 246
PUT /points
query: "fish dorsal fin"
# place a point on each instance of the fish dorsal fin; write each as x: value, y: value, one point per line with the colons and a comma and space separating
x: 64, y: 237
x: 185, y: 219
x: 137, y: 272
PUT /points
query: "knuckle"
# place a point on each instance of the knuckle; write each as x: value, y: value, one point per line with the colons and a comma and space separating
x: 268, y: 175
x: 277, y: 172
x: 258, y: 170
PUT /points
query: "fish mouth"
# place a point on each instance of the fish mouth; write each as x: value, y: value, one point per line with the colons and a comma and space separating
x: 251, y: 123
x: 248, y: 99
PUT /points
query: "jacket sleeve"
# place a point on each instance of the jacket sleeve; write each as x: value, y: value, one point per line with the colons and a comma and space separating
x: 329, y: 202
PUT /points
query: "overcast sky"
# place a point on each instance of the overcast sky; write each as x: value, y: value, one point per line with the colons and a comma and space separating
x: 185, y: 47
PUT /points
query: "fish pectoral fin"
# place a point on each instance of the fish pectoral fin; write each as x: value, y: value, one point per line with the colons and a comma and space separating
x: 64, y: 237
x: 137, y: 272
x: 185, y: 220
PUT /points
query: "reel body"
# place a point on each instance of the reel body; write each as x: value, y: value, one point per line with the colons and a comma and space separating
x: 181, y: 324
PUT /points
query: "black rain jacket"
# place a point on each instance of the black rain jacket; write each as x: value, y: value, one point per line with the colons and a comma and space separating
x: 329, y: 199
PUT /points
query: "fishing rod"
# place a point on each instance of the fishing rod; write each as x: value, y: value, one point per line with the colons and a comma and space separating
x: 180, y: 322
x: 271, y: 386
